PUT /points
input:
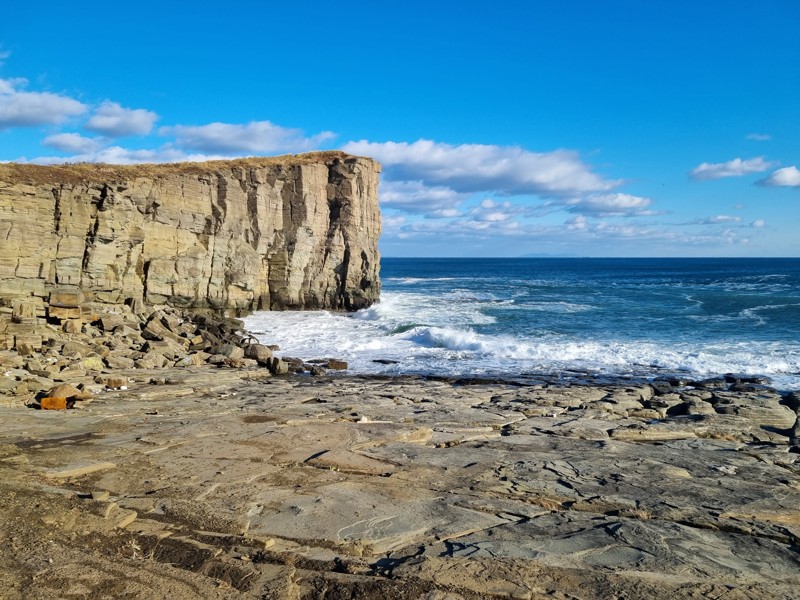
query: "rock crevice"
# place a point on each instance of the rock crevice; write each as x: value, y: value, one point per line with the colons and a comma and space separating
x: 293, y: 232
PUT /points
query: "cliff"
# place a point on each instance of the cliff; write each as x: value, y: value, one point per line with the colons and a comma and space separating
x: 291, y: 232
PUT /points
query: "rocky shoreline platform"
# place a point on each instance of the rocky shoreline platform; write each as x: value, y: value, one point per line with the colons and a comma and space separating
x: 232, y: 480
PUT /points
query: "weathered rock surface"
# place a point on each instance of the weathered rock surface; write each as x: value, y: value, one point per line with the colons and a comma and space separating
x: 273, y: 233
x: 224, y: 484
x: 96, y: 350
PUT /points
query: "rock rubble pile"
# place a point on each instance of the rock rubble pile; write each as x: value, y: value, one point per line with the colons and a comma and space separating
x: 46, y: 347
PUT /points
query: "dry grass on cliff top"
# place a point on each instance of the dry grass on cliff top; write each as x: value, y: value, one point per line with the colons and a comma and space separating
x: 84, y: 172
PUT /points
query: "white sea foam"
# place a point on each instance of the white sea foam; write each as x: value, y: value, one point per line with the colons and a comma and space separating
x: 414, y: 280
x: 431, y: 335
x: 553, y: 307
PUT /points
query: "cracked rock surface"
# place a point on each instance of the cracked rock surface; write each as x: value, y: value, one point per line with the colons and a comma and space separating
x: 225, y: 484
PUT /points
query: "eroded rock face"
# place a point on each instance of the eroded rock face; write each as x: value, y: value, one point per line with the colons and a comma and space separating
x: 297, y: 232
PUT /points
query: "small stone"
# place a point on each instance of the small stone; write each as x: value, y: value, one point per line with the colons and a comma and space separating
x: 78, y: 470
x: 49, y: 403
x: 192, y: 360
x: 111, y: 322
x: 259, y: 352
x: 25, y: 349
x: 116, y: 382
x: 125, y: 519
x: 231, y: 351
x: 65, y: 390
x: 67, y: 298
x: 72, y: 326
x: 63, y: 313
x: 92, y: 363
x: 337, y: 365
x: 279, y: 367
x: 119, y: 362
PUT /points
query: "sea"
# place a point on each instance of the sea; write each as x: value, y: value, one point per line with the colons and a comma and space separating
x: 563, y: 318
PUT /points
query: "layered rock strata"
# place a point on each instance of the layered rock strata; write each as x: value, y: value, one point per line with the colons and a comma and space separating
x: 293, y: 232
x: 229, y: 483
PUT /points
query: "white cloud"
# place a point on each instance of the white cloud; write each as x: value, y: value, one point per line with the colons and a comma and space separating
x: 73, y: 142
x: 786, y: 177
x: 114, y: 120
x: 492, y: 211
x: 469, y: 168
x: 577, y: 222
x: 495, y: 217
x: 607, y: 205
x: 28, y: 109
x: 578, y: 229
x: 4, y: 54
x: 124, y: 156
x: 392, y: 221
x: 759, y: 223
x: 7, y: 86
x: 256, y: 137
x: 416, y: 197
x: 759, y: 137
x: 733, y: 168
x: 717, y: 219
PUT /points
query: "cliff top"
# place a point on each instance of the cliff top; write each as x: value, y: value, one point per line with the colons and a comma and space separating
x: 82, y: 172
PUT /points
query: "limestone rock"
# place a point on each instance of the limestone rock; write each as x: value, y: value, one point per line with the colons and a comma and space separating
x: 264, y: 233
x: 230, y: 351
x: 67, y: 392
x: 337, y: 365
x: 259, y: 352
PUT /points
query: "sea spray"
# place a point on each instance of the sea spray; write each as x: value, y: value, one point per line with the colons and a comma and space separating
x: 623, y: 317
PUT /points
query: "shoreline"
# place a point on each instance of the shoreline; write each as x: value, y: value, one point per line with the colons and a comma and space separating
x: 205, y: 482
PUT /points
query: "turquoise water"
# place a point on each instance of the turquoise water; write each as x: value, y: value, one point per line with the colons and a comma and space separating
x: 512, y: 317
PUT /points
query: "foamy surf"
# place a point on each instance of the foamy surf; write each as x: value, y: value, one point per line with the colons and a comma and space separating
x: 490, y: 321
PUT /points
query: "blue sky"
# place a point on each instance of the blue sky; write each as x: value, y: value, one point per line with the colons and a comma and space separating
x: 617, y: 128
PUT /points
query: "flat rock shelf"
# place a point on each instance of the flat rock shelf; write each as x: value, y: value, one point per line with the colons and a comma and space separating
x: 223, y: 483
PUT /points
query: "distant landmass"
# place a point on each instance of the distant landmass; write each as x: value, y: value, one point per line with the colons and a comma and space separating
x: 545, y: 255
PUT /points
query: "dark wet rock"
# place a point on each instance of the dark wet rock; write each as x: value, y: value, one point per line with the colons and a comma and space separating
x: 744, y: 378
x: 661, y: 388
x: 710, y: 383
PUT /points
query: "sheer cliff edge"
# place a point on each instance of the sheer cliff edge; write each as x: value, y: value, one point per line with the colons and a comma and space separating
x: 289, y: 232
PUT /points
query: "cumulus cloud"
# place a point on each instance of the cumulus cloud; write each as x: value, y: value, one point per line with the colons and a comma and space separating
x: 416, y: 197
x: 786, y: 177
x: 578, y: 229
x: 758, y: 223
x: 611, y: 205
x: 717, y: 219
x: 256, y: 137
x: 578, y: 222
x: 469, y: 168
x: 759, y: 137
x: 73, y: 142
x: 492, y: 211
x: 27, y: 109
x: 114, y: 120
x: 124, y: 156
x: 733, y: 168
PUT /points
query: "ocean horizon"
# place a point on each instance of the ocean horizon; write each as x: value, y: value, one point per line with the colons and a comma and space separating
x: 524, y: 317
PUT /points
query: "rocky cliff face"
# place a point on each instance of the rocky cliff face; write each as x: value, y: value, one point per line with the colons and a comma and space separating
x: 297, y: 232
